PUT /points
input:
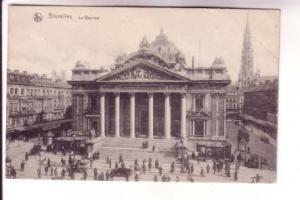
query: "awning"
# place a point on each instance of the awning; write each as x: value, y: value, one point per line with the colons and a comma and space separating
x: 209, y: 143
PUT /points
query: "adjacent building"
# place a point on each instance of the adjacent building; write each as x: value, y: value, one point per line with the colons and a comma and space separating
x: 152, y: 93
x: 260, y: 107
x: 234, y: 102
x: 34, y: 99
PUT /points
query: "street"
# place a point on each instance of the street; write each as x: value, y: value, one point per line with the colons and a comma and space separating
x: 266, y: 150
x: 17, y: 149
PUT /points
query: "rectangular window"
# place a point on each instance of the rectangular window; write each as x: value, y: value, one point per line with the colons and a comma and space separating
x: 199, y: 101
x: 22, y: 91
x: 16, y: 90
x: 199, y: 128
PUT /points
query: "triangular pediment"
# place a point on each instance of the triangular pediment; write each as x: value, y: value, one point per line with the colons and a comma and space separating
x: 142, y: 71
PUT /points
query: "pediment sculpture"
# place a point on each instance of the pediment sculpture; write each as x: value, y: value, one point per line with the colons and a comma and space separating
x: 141, y: 72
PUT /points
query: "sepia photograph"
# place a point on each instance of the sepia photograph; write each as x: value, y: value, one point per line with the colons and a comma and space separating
x: 140, y: 94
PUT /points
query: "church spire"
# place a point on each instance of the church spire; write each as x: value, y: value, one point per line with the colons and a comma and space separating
x: 246, y: 72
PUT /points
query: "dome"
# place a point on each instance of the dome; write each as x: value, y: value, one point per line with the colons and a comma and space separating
x: 165, y: 48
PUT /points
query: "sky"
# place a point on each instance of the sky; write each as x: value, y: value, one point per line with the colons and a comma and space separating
x: 58, y: 43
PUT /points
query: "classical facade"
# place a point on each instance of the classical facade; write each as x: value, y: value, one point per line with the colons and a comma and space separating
x: 152, y: 93
x: 34, y: 99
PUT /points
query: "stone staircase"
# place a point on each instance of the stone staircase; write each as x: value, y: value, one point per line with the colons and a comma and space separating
x: 132, y: 154
x: 135, y: 143
x: 131, y: 148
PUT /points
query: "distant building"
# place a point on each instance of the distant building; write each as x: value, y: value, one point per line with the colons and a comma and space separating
x: 260, y: 107
x: 234, y: 102
x: 34, y: 99
x: 247, y: 76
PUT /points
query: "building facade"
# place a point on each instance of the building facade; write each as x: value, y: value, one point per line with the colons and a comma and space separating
x: 234, y: 102
x: 152, y: 93
x: 34, y: 99
x: 260, y: 107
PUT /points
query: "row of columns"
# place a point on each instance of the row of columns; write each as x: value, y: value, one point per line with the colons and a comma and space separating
x: 167, y: 117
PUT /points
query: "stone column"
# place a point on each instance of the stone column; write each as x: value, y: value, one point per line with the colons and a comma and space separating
x: 183, y: 116
x: 150, y: 123
x: 217, y: 115
x: 193, y: 128
x: 117, y: 114
x: 167, y: 116
x: 102, y: 114
x: 132, y: 115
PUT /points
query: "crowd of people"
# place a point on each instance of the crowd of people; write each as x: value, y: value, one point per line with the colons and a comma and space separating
x: 70, y: 167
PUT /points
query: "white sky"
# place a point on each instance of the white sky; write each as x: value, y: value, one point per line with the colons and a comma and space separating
x: 56, y: 44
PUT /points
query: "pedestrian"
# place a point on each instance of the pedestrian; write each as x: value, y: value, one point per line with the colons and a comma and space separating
x: 144, y: 168
x: 72, y: 174
x: 84, y: 174
x: 95, y: 173
x: 177, y: 178
x: 120, y: 158
x: 235, y: 175
x: 39, y: 172
x: 22, y: 165
x: 149, y: 165
x: 202, y: 172
x: 55, y: 172
x: 155, y: 178
x: 49, y: 162
x: 109, y: 163
x: 91, y: 163
x: 160, y: 170
x: 172, y: 167
x: 51, y: 171
x: 153, y: 148
x: 136, y: 177
x: 192, y: 168
x: 107, y: 175
x: 150, y: 160
x: 156, y: 164
x: 13, y: 173
x: 214, y: 166
x: 260, y: 162
x: 102, y: 176
x: 207, y: 168
x: 26, y: 156
x: 46, y: 169
x: 107, y: 159
x: 63, y: 173
x: 192, y: 179
x: 163, y: 178
x: 136, y: 162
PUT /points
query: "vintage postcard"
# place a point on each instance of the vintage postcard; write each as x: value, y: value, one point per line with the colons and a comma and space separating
x: 142, y: 94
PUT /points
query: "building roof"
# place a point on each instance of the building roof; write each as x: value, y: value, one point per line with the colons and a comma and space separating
x: 24, y: 78
x: 162, y: 53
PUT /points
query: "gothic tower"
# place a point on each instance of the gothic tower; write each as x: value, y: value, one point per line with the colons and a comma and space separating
x: 246, y: 76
